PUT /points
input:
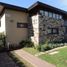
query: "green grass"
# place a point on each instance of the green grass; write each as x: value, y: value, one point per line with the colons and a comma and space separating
x: 31, y: 50
x: 59, y: 59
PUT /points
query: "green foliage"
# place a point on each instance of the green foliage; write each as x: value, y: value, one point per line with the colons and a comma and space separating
x: 2, y: 39
x: 43, y: 47
x: 49, y: 45
x: 26, y: 43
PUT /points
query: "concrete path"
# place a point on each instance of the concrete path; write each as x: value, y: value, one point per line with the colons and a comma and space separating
x: 36, y: 62
x: 6, y: 61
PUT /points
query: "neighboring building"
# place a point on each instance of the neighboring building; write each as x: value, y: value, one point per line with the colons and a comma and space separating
x: 39, y: 23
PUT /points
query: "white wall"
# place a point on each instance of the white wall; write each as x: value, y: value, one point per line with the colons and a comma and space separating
x: 2, y: 28
x: 35, y: 24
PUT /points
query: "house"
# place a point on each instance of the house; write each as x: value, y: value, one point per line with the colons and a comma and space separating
x: 39, y: 22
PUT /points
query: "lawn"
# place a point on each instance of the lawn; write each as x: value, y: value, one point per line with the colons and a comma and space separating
x: 59, y: 59
x: 31, y: 50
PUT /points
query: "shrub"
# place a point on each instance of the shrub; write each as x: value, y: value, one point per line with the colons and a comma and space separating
x: 43, y: 47
x: 47, y: 48
x: 2, y: 38
x: 26, y: 43
x: 38, y: 47
x: 22, y: 43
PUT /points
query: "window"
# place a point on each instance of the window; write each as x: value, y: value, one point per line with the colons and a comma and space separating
x: 46, y: 13
x: 22, y: 25
x: 0, y: 23
x: 57, y: 16
x: 66, y: 30
x: 41, y: 12
x: 53, y: 31
x: 54, y: 15
x: 60, y: 17
x: 50, y: 14
x: 49, y: 31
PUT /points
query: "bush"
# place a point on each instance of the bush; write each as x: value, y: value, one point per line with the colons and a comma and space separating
x: 47, y: 48
x: 26, y: 43
x: 2, y: 39
x: 38, y: 47
x: 43, y: 47
x: 22, y: 43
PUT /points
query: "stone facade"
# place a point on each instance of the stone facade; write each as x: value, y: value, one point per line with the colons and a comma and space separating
x: 45, y: 23
x: 40, y: 29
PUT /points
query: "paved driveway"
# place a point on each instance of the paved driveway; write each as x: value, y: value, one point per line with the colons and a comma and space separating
x: 6, y: 61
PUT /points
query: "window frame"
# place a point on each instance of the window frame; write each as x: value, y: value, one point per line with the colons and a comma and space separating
x: 22, y: 25
x: 65, y: 29
x: 52, y: 29
x: 51, y: 14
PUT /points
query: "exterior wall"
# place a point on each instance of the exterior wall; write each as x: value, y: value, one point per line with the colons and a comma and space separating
x: 2, y: 28
x: 40, y: 26
x: 38, y: 29
x: 14, y: 34
x: 47, y: 22
x: 34, y: 29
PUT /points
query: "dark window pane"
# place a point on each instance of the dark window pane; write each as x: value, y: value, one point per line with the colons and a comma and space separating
x: 54, y: 15
x: 41, y: 12
x: 53, y: 31
x: 22, y: 25
x: 46, y: 13
x: 65, y: 30
x: 60, y: 17
x: 50, y: 14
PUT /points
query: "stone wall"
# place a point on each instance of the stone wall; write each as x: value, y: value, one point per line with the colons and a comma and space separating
x: 47, y: 22
x: 38, y: 29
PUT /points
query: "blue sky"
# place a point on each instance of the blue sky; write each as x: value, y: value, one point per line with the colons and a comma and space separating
x: 62, y: 4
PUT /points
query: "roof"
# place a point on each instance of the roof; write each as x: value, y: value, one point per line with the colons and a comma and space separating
x: 4, y: 5
x: 39, y: 5
x: 32, y: 9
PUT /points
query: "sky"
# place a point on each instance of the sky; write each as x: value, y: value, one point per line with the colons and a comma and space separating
x: 61, y: 4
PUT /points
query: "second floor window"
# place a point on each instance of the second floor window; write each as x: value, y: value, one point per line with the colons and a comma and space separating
x: 46, y: 13
x: 50, y: 14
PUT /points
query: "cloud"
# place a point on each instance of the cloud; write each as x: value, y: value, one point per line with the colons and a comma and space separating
x: 64, y: 2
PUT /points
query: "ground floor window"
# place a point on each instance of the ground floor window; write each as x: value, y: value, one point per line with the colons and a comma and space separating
x: 22, y: 25
x: 53, y: 31
x: 65, y: 29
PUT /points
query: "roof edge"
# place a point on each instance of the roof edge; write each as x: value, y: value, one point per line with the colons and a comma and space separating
x: 10, y: 6
x: 40, y: 3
